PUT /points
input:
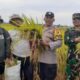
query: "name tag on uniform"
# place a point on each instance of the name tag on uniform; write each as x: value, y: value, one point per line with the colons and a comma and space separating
x: 1, y: 37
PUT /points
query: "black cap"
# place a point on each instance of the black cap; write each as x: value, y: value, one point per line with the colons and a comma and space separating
x: 49, y: 14
x: 76, y: 16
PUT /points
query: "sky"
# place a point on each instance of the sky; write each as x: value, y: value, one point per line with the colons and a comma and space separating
x: 63, y: 9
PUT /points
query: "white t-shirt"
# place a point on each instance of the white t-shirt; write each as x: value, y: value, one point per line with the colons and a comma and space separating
x: 20, y: 47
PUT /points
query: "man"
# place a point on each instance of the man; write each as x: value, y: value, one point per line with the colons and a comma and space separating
x: 20, y: 47
x: 72, y: 38
x: 4, y: 50
x: 47, y: 59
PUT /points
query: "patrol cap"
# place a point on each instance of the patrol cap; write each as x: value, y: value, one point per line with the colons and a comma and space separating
x: 49, y: 15
x: 76, y: 16
x: 15, y: 16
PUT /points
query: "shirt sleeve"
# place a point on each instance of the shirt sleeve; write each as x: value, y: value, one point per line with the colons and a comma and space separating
x: 55, y: 44
x: 68, y: 39
x: 7, y: 43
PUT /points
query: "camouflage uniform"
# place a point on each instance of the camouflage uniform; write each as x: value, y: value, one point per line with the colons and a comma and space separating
x: 73, y: 62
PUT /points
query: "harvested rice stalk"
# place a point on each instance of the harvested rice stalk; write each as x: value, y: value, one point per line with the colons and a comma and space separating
x: 35, y: 54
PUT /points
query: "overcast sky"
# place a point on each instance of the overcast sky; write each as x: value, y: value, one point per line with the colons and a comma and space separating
x: 63, y: 9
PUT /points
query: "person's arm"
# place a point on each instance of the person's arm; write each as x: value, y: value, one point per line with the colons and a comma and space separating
x: 68, y: 39
x: 77, y: 40
x: 7, y: 44
x: 55, y: 44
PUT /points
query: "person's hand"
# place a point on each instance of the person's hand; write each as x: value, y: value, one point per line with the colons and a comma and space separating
x: 77, y: 39
x: 9, y: 61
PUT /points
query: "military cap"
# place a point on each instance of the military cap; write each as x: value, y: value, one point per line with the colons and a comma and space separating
x: 76, y: 16
x: 14, y: 16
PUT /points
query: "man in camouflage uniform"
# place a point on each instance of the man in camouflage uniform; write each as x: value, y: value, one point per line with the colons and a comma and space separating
x: 72, y: 38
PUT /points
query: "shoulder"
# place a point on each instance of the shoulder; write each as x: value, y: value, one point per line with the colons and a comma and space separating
x: 2, y: 30
x: 69, y: 30
x: 14, y: 32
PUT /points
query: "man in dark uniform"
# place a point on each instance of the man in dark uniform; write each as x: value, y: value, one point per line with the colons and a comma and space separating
x: 72, y: 38
x: 5, y: 42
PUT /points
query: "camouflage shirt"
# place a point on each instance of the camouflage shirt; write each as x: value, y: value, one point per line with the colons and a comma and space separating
x: 73, y: 66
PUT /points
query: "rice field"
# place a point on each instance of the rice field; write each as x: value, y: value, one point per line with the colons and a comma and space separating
x: 61, y: 52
